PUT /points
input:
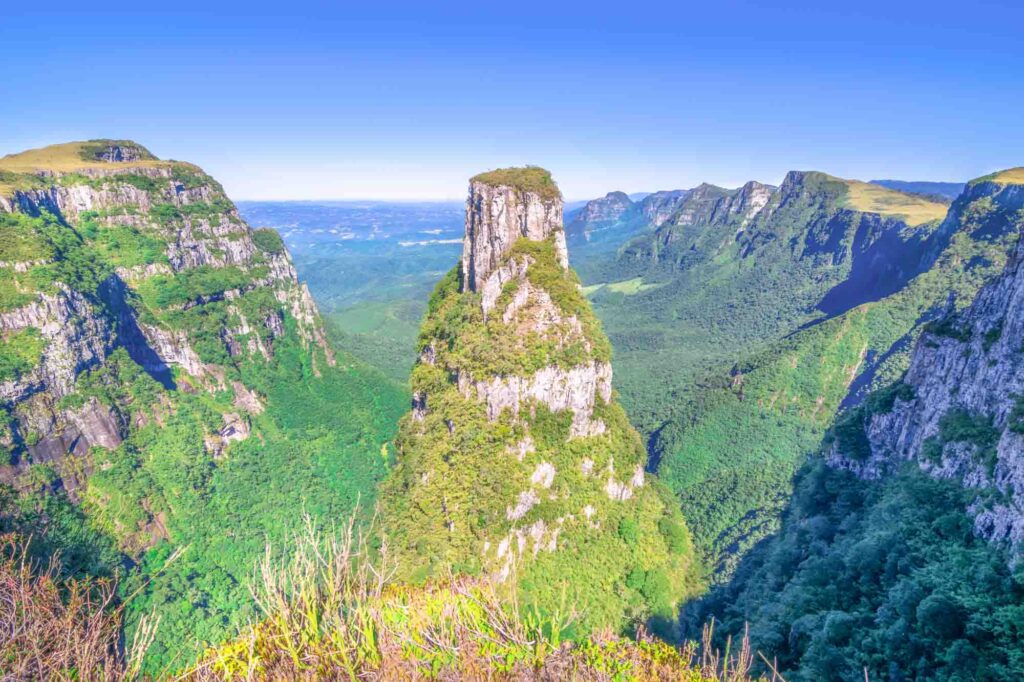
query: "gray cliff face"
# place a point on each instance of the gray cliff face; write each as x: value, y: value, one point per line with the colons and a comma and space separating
x: 660, y: 206
x: 515, y: 360
x: 497, y: 216
x: 702, y: 221
x: 178, y: 207
x: 961, y: 414
x: 712, y: 205
x: 611, y: 207
x: 75, y: 336
x: 575, y: 389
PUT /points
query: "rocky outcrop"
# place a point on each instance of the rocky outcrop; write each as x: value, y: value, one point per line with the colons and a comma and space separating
x: 178, y: 246
x: 711, y: 205
x: 575, y: 389
x: 75, y: 337
x: 515, y: 449
x: 660, y: 206
x: 611, y: 210
x: 611, y: 207
x: 959, y: 411
x: 497, y: 216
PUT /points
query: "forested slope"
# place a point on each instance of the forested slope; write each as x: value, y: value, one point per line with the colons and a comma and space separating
x: 171, y: 399
x: 761, y: 311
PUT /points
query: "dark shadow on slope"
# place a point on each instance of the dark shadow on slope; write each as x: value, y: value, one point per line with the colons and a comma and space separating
x: 115, y: 294
x: 882, y: 264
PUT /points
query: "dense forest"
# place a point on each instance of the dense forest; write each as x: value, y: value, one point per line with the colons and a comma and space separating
x: 193, y: 456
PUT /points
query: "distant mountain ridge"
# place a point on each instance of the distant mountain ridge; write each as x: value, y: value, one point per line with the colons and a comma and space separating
x: 939, y: 190
x: 754, y: 310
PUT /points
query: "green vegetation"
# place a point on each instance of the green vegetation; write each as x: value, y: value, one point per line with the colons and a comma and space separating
x: 16, y: 290
x: 267, y: 239
x: 879, y: 580
x: 960, y: 426
x: 122, y: 245
x: 448, y: 502
x: 305, y: 456
x: 733, y: 369
x: 490, y: 347
x: 325, y: 614
x: 20, y: 352
x: 11, y: 182
x: 1015, y: 421
x: 526, y: 179
x: 171, y: 215
x: 166, y: 291
x: 627, y: 287
x: 180, y: 512
x: 19, y: 240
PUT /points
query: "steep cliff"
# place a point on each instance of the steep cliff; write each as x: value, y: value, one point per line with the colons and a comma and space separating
x: 898, y: 557
x: 959, y: 410
x: 761, y: 311
x: 166, y: 383
x: 516, y: 459
x: 705, y: 220
x: 612, y: 218
x: 659, y: 207
x: 106, y: 247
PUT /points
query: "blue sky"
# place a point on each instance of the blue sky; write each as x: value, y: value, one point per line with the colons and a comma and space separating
x: 388, y: 100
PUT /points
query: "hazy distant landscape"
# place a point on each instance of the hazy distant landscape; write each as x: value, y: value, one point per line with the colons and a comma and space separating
x: 370, y: 265
x: 618, y: 343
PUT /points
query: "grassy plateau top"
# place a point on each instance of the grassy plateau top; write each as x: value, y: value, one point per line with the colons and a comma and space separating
x: 1010, y: 176
x: 914, y: 209
x: 73, y: 156
x: 527, y: 179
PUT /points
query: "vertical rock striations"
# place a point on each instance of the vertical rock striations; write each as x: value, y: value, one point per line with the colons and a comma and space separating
x: 503, y: 206
x: 958, y: 413
x: 516, y: 459
x: 115, y: 261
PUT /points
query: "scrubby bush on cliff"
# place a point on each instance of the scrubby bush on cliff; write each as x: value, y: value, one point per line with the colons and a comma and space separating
x: 60, y: 629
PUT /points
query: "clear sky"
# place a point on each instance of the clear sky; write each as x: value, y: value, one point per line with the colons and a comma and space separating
x: 388, y: 100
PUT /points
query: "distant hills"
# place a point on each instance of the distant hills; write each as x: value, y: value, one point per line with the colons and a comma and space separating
x: 945, y: 190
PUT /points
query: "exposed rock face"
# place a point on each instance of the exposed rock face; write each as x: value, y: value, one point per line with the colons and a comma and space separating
x: 660, y: 206
x: 515, y: 447
x: 606, y: 219
x: 496, y: 216
x: 960, y: 413
x: 201, y: 256
x: 612, y: 206
x: 575, y: 389
x: 75, y: 338
x: 696, y: 224
x: 712, y: 205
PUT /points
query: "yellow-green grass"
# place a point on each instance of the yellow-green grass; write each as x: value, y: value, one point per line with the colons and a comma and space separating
x: 65, y: 158
x: 1011, y: 176
x: 626, y: 286
x: 526, y: 178
x: 913, y: 209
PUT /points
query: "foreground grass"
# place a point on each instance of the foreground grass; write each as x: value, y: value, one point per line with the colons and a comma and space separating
x: 331, y: 613
x: 54, y: 629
